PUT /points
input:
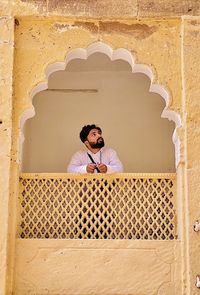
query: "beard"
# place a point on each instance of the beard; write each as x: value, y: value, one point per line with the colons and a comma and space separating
x: 97, y: 145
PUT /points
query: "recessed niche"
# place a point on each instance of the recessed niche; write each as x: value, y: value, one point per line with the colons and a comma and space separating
x: 108, y: 93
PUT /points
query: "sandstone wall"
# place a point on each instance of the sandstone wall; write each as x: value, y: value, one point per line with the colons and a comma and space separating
x: 164, y: 35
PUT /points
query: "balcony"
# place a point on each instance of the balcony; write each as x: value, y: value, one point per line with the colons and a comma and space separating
x: 109, y: 206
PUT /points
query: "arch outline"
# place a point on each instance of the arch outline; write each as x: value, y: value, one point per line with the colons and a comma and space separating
x: 113, y: 54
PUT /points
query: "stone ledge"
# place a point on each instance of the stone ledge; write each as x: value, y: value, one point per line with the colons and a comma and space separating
x: 103, y: 8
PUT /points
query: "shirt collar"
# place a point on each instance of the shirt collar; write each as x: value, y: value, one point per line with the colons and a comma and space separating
x: 91, y: 153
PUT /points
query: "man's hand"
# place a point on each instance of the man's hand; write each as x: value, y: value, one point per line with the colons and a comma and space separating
x: 90, y: 168
x: 102, y: 168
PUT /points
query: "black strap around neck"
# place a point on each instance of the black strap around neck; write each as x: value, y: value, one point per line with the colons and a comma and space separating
x: 92, y: 160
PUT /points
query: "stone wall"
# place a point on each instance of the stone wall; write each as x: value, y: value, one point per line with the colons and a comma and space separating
x: 6, y: 79
x: 164, y: 35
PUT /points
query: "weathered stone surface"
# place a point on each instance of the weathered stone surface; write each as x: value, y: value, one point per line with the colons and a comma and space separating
x: 32, y: 39
x: 6, y: 66
x: 40, y: 42
x: 146, y: 41
x: 5, y: 7
x: 191, y: 49
x: 5, y: 29
x: 168, y: 8
x: 94, y: 8
x: 29, y: 7
x: 134, y: 267
x: 137, y: 30
x: 92, y: 27
x: 193, y: 214
x: 193, y: 129
x: 156, y: 44
x: 105, y: 8
x: 192, y: 82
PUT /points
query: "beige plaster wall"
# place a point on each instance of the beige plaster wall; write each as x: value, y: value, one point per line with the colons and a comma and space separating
x: 122, y: 105
x: 165, y: 37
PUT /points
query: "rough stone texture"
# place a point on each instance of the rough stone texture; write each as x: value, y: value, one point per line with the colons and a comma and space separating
x: 47, y: 43
x: 5, y: 27
x: 138, y: 30
x: 40, y: 42
x: 146, y: 41
x: 192, y: 82
x: 154, y: 42
x: 192, y: 105
x: 29, y: 7
x: 97, y: 267
x: 5, y: 7
x: 104, y: 8
x: 6, y: 66
x: 194, y: 214
x: 168, y: 8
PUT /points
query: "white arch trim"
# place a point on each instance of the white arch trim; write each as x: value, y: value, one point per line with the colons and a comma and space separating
x: 122, y: 54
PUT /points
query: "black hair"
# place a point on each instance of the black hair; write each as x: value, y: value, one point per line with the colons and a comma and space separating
x: 86, y: 130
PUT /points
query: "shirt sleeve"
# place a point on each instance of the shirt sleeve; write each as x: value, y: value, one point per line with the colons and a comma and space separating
x: 76, y: 164
x: 114, y: 164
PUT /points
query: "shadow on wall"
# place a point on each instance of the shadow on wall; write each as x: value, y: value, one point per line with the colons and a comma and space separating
x: 105, y: 92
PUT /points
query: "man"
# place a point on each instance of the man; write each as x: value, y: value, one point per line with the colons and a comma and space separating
x: 97, y: 158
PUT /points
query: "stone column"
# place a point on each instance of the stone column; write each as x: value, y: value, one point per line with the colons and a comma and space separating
x: 6, y: 70
x: 191, y: 92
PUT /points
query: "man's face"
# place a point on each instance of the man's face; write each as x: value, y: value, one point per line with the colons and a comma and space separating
x: 95, y: 139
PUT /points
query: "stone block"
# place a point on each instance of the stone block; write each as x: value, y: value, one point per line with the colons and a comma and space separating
x: 193, y: 144
x: 5, y: 7
x: 154, y: 43
x: 192, y: 65
x: 41, y: 43
x: 6, y: 29
x: 191, y: 49
x: 104, y: 8
x: 29, y: 7
x: 168, y: 8
x: 107, y: 267
x: 193, y: 214
x: 5, y: 79
x: 6, y: 66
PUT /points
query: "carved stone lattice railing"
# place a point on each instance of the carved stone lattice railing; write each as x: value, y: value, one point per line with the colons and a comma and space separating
x: 109, y: 206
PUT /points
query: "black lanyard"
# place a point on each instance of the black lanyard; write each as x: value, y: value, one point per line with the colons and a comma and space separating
x: 92, y: 160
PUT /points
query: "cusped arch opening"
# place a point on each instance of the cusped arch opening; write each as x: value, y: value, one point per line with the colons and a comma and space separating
x: 130, y: 133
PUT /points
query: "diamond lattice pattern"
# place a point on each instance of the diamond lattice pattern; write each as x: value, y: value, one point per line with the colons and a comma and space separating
x: 97, y: 208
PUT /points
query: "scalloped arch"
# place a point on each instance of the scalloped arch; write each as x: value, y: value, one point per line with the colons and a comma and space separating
x: 113, y: 54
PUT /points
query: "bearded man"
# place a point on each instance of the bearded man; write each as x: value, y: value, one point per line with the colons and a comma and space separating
x: 96, y: 158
